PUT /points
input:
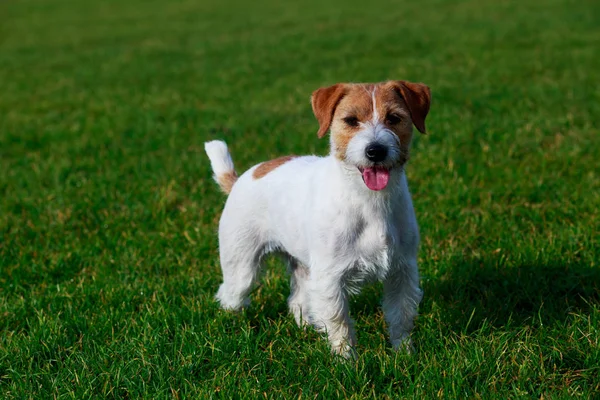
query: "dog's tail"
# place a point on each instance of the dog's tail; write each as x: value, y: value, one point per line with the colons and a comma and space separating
x: 222, y: 165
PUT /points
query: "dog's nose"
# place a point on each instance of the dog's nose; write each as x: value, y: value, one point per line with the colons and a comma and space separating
x: 376, y: 152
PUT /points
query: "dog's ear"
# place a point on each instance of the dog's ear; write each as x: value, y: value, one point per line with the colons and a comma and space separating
x: 324, y: 101
x: 417, y: 97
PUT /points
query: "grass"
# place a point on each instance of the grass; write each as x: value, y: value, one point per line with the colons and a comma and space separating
x: 108, y: 251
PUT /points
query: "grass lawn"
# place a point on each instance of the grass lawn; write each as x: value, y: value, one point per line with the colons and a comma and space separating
x: 108, y: 214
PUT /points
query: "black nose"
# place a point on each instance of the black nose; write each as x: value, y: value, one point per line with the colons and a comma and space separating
x: 376, y: 152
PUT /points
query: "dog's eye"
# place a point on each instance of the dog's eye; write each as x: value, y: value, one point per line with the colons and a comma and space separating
x: 393, y: 119
x: 351, y: 121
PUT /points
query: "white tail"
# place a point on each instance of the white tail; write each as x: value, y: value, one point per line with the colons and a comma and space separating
x: 222, y: 164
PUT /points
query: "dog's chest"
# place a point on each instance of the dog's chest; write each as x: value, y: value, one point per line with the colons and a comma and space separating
x: 371, y: 252
x: 374, y: 240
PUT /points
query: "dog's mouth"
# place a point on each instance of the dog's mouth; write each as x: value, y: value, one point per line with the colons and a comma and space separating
x: 376, y: 178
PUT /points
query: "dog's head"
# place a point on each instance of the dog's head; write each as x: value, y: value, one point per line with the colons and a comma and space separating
x: 371, y: 124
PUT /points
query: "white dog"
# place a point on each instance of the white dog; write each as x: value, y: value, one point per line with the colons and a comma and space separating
x: 340, y: 220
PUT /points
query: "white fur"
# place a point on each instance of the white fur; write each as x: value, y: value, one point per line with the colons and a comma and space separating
x: 375, y: 113
x: 220, y: 159
x: 335, y: 232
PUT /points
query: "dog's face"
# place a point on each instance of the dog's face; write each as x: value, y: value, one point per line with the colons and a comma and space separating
x: 371, y: 124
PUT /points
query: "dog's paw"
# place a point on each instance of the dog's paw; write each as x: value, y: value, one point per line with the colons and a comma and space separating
x: 230, y: 302
x: 344, y: 350
x: 300, y: 315
x: 404, y: 345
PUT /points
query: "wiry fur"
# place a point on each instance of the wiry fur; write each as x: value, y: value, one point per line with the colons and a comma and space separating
x: 222, y: 164
x: 336, y: 233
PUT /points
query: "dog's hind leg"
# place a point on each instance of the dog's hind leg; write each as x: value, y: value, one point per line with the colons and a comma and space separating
x: 240, y: 262
x: 298, y: 302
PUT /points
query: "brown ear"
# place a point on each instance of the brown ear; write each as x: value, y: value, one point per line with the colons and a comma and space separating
x: 418, y: 98
x: 324, y: 101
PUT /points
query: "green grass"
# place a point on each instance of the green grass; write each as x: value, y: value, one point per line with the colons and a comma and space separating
x: 108, y: 215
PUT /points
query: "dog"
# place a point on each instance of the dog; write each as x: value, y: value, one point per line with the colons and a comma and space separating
x: 340, y: 221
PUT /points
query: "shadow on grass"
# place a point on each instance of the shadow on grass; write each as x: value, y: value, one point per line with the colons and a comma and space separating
x: 475, y: 291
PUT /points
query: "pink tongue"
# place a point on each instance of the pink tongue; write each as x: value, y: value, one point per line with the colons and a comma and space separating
x: 376, y: 178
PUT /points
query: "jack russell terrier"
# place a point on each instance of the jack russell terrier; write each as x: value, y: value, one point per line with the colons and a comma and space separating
x: 340, y: 221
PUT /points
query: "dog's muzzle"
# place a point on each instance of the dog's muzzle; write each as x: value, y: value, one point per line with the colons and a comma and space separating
x: 376, y: 177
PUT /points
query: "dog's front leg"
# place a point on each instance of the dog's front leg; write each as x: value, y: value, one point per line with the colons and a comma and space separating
x: 329, y: 312
x: 401, y: 297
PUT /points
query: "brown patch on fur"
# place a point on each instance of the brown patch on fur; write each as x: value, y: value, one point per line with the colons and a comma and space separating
x: 324, y: 102
x: 418, y: 99
x: 268, y: 166
x: 390, y: 102
x: 358, y: 103
x: 226, y: 181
